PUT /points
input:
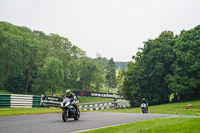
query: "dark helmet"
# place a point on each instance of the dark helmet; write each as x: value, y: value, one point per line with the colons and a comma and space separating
x: 68, y: 92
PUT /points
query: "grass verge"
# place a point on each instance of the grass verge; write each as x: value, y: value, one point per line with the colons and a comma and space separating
x: 27, y: 111
x: 166, y: 125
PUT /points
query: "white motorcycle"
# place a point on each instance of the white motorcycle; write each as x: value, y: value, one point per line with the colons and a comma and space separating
x: 144, y: 108
x: 69, y: 111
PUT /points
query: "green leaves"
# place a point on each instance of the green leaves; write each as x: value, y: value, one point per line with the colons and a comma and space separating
x: 186, y: 67
x: 111, y: 74
x: 90, y: 74
x: 50, y: 76
x: 145, y: 76
x: 166, y: 67
x: 43, y: 59
x: 16, y: 82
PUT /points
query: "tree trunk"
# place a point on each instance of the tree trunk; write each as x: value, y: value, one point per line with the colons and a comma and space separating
x: 8, y: 69
x: 84, y: 86
x: 27, y: 83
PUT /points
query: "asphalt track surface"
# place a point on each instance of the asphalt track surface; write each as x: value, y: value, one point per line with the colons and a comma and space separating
x: 52, y: 123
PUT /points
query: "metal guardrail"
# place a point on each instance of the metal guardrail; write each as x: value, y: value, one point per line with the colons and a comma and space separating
x: 32, y: 101
x: 4, y: 100
x: 19, y: 101
x: 49, y: 101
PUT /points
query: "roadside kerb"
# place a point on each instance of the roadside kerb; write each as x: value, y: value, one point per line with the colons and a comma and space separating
x: 95, y: 106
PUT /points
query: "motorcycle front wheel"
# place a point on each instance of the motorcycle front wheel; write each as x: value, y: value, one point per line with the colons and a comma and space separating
x: 64, y: 115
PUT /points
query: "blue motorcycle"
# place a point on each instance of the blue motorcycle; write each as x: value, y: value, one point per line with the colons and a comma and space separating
x: 144, y: 108
x: 69, y: 111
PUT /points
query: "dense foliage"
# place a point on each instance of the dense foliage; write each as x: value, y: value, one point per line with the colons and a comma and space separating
x: 167, y: 68
x: 33, y: 62
x: 121, y: 65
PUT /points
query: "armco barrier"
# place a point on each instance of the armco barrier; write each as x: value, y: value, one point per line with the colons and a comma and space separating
x: 50, y: 101
x: 95, y: 106
x: 19, y: 101
x: 36, y: 101
x: 31, y: 101
x: 4, y: 100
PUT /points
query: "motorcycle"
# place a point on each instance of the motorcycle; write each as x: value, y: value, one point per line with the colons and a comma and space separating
x: 144, y: 108
x: 69, y: 111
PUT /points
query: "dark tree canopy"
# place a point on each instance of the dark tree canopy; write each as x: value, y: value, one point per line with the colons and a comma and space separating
x: 167, y: 68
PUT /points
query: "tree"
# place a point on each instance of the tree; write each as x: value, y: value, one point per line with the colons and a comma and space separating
x: 120, y: 80
x: 50, y: 76
x: 185, y: 80
x: 16, y: 82
x: 111, y: 74
x: 90, y: 75
x: 146, y: 76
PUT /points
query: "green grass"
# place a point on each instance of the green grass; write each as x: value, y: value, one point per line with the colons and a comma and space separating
x: 172, y: 108
x: 166, y: 125
x: 27, y: 111
x: 5, y: 92
x: 104, y: 90
x: 83, y: 99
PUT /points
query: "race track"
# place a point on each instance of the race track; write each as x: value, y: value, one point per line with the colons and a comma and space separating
x: 52, y: 123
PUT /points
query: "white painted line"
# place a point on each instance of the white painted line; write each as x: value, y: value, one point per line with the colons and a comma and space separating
x: 100, y: 127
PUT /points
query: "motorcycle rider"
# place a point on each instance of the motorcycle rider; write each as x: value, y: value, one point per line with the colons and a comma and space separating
x: 145, y: 101
x: 72, y: 96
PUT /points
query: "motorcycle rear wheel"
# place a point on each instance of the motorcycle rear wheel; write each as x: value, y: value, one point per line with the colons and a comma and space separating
x: 77, y: 115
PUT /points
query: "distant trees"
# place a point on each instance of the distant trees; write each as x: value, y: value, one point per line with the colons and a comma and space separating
x: 90, y: 74
x: 33, y: 62
x: 167, y: 67
x: 121, y: 65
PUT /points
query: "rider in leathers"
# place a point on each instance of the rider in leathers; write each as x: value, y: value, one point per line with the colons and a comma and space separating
x: 71, y: 96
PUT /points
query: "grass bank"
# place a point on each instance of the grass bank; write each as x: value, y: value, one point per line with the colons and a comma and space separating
x: 167, y: 125
x: 171, y: 108
x: 83, y: 99
x: 164, y: 125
